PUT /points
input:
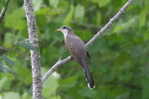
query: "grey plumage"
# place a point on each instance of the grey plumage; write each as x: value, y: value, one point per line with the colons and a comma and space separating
x: 77, y: 49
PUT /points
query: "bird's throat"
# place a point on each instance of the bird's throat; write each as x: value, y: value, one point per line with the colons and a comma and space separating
x: 65, y: 35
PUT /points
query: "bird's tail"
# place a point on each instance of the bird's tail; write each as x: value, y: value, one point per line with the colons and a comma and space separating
x: 88, y: 76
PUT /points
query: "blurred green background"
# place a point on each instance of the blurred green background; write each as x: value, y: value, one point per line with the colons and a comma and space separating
x: 119, y: 58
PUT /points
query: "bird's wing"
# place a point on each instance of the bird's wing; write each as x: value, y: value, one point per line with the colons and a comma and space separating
x: 76, y: 47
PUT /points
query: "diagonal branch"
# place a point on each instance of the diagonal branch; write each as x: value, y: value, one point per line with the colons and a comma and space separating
x: 3, y: 11
x: 103, y: 29
x: 55, y: 66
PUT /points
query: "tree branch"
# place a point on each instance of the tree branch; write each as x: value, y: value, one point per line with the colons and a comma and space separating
x: 35, y: 55
x: 3, y: 11
x: 55, y: 66
x: 105, y: 27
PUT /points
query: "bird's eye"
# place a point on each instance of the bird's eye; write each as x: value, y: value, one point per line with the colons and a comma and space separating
x: 64, y: 27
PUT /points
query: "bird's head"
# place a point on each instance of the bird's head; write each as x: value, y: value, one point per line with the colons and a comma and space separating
x: 65, y: 30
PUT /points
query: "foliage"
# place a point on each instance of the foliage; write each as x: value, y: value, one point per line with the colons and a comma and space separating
x: 119, y: 58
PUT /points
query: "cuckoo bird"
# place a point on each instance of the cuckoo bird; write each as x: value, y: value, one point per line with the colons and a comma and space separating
x: 76, y: 47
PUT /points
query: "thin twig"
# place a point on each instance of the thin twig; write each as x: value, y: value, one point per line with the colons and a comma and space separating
x: 105, y: 27
x: 35, y: 55
x: 55, y: 66
x: 3, y: 11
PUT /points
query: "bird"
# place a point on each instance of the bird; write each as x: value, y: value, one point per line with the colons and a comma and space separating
x: 76, y: 48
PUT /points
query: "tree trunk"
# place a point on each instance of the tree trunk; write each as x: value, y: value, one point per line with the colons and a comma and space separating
x: 35, y: 55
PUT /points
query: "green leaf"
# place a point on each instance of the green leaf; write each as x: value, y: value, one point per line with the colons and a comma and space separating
x: 79, y: 12
x: 5, y: 83
x: 101, y: 3
x: 54, y: 3
x: 123, y: 96
x: 11, y: 95
x: 9, y: 39
x: 69, y: 17
x: 25, y: 44
x: 142, y: 17
x: 43, y: 11
x: 145, y: 83
x: 50, y: 86
x: 98, y: 19
x: 26, y: 96
x: 7, y: 60
x: 87, y: 92
x: 15, y: 19
x: 23, y: 73
x: 37, y: 4
x: 121, y: 26
x: 3, y: 68
x: 69, y: 82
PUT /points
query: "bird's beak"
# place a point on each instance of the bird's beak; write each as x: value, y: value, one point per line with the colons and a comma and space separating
x: 59, y: 29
